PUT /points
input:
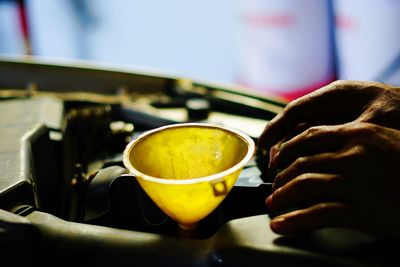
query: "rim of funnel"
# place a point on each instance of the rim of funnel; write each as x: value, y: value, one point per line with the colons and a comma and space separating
x: 214, y: 177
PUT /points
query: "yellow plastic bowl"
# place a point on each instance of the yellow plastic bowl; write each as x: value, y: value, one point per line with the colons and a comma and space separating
x: 187, y: 169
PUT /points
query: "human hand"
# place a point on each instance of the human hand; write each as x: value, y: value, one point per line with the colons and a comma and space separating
x: 336, y: 103
x: 339, y: 176
x: 316, y: 132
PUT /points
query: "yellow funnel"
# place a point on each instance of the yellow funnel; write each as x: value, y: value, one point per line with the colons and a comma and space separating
x: 187, y: 169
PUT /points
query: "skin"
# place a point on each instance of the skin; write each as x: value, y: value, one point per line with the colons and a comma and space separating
x: 335, y: 158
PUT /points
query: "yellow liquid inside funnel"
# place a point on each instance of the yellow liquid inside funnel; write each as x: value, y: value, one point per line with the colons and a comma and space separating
x: 187, y: 169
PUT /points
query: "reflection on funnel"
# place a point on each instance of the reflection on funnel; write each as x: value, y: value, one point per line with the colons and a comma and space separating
x: 187, y: 169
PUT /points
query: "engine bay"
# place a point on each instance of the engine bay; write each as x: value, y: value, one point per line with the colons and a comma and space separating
x: 64, y: 191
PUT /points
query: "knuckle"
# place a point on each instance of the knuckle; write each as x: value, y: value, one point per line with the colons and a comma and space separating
x: 345, y: 85
x: 319, y: 131
x: 354, y: 152
x: 338, y: 84
x: 304, y: 180
x: 301, y: 162
x: 358, y: 150
x: 292, y: 106
x: 312, y: 131
x: 363, y: 129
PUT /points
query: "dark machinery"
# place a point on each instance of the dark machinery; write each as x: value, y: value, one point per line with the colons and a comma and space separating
x: 66, y: 198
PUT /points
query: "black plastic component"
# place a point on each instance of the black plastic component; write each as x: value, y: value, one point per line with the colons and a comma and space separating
x: 28, y: 160
x: 198, y: 109
x: 97, y: 201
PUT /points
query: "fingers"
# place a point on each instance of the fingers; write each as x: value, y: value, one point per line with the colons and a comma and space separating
x: 325, y: 149
x: 311, y: 141
x: 284, y: 123
x: 329, y: 214
x: 310, y: 107
x: 307, y: 189
x: 327, y: 105
x: 337, y: 214
x: 319, y: 187
x: 328, y: 178
x: 321, y: 163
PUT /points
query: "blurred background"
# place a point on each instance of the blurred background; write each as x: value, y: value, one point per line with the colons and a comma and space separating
x: 283, y: 48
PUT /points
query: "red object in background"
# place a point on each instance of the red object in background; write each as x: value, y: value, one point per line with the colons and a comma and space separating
x: 286, y: 47
x: 289, y: 95
x: 23, y: 18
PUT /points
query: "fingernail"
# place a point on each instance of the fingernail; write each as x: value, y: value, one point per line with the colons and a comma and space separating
x: 268, y: 201
x: 279, y: 225
x: 275, y: 160
x: 273, y: 154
